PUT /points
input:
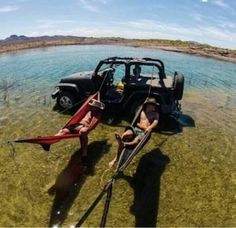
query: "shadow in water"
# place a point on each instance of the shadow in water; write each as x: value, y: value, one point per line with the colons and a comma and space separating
x: 69, y: 182
x: 146, y: 184
x: 186, y: 120
x: 169, y: 125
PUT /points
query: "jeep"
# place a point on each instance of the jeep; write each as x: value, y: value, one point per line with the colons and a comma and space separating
x: 124, y: 84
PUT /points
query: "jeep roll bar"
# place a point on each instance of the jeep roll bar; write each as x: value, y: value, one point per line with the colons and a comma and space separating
x: 159, y: 61
x: 128, y: 61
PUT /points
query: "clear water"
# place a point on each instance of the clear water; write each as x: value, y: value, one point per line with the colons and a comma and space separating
x: 196, y: 188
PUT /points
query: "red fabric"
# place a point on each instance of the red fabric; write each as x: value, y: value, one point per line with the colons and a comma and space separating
x: 46, y: 141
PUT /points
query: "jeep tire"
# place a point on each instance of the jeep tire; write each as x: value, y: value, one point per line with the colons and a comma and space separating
x: 66, y: 100
x: 178, y: 86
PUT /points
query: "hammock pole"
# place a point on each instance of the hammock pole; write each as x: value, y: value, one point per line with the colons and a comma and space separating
x: 106, y: 206
x: 94, y: 204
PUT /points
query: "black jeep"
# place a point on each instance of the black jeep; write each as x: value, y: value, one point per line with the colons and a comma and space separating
x: 124, y: 84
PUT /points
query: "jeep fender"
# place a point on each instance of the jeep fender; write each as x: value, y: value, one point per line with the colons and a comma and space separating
x: 69, y: 87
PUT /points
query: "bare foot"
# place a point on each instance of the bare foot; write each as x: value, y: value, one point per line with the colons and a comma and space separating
x: 62, y: 132
x: 59, y: 133
x: 112, y: 163
x: 117, y: 135
x: 119, y: 140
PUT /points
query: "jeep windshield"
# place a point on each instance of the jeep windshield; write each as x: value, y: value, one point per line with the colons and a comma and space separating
x: 118, y: 70
x: 104, y: 66
x: 144, y: 70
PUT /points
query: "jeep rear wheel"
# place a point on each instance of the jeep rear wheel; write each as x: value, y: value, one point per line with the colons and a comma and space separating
x: 178, y: 85
x: 66, y: 100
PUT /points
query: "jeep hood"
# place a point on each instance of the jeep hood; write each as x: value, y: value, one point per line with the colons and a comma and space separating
x: 79, y: 76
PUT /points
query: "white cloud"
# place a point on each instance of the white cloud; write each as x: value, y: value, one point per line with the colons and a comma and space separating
x: 92, y: 5
x: 204, y: 1
x: 6, y: 9
x: 201, y: 33
x: 227, y: 25
x: 20, y: 1
x: 222, y: 4
x: 197, y: 17
x: 47, y: 24
x: 88, y: 5
x: 149, y: 29
x: 217, y: 21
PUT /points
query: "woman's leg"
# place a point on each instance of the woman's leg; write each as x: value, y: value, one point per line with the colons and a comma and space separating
x: 120, y: 148
x: 62, y: 132
x: 127, y: 135
x: 134, y: 142
x: 84, y: 141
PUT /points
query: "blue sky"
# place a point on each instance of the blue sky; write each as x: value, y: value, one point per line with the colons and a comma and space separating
x: 206, y: 21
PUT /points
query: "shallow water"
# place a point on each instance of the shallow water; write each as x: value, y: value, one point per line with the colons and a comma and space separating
x: 185, y: 179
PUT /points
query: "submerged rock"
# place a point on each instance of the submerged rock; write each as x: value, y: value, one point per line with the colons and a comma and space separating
x: 17, y: 98
x: 3, y: 120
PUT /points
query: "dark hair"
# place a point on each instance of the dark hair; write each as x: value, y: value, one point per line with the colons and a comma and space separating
x: 136, y: 69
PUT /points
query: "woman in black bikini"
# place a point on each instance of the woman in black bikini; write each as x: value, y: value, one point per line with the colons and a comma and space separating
x: 82, y: 127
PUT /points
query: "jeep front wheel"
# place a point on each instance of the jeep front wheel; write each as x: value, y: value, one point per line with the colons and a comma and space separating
x: 66, y: 100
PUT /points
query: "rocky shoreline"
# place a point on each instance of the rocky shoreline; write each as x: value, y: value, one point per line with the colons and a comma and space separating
x: 15, y: 43
x: 213, y: 55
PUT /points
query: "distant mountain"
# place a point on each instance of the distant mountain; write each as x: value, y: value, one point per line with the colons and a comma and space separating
x: 14, y: 38
x: 193, y: 42
x: 19, y: 39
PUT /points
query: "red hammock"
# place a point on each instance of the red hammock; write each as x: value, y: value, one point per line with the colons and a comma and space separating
x: 46, y: 141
